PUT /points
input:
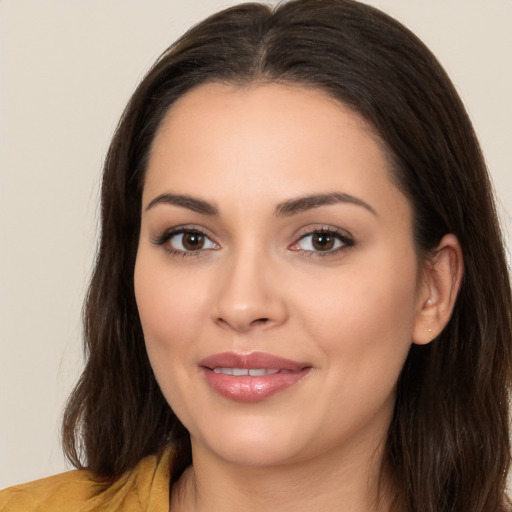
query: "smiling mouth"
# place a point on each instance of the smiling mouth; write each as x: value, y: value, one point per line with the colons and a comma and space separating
x: 249, y: 372
x: 251, y: 377
x: 232, y: 363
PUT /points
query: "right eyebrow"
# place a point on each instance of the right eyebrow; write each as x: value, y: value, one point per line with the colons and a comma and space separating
x: 184, y: 201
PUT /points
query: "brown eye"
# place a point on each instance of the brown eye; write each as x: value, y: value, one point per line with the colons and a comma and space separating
x: 323, y: 241
x: 192, y: 241
x: 186, y: 241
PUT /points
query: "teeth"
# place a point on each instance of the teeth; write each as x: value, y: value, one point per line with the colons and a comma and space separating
x: 241, y: 372
x: 262, y: 371
x: 258, y: 371
x: 225, y: 371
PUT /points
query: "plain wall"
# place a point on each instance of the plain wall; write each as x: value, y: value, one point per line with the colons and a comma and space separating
x: 67, y: 69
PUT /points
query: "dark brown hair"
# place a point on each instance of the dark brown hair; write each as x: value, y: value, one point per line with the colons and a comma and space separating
x: 447, y: 448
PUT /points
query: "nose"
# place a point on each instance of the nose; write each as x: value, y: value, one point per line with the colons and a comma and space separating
x: 250, y: 295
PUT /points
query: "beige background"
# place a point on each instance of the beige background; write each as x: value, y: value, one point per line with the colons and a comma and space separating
x: 66, y: 70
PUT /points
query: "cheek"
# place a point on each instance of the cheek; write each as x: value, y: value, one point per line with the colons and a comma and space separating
x: 172, y: 316
x: 363, y: 329
x: 365, y: 316
x: 170, y: 310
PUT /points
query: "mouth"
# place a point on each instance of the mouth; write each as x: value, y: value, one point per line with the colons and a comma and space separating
x: 251, y: 377
x: 252, y: 372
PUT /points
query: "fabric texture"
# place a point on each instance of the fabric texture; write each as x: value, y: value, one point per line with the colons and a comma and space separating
x: 145, y: 488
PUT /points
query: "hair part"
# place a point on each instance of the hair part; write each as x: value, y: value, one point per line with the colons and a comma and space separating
x: 447, y: 448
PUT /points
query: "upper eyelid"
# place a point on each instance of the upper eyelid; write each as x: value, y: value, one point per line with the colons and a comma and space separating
x: 305, y: 231
x: 345, y: 237
x: 165, y: 234
x: 323, y: 228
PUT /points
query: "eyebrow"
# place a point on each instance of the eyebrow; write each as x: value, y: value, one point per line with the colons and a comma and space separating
x: 185, y: 201
x: 284, y: 209
x: 302, y: 204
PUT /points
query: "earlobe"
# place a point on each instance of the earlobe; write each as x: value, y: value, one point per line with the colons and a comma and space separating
x: 441, y: 279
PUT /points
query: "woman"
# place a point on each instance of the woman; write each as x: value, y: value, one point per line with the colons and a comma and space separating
x: 301, y: 298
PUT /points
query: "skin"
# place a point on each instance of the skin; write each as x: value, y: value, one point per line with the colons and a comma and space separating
x: 259, y: 284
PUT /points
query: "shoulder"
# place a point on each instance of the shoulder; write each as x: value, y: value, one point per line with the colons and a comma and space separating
x: 60, y: 492
x: 146, y: 487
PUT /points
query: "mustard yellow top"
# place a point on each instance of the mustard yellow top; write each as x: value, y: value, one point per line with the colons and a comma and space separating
x: 145, y: 488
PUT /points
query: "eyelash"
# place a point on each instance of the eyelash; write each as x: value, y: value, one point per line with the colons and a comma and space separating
x: 339, y: 236
x: 166, y: 236
x: 345, y: 240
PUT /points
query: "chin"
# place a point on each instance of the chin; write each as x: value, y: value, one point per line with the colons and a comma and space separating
x: 255, y: 445
x: 258, y: 454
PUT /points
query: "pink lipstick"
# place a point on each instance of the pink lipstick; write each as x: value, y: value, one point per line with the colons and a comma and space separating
x: 251, y: 377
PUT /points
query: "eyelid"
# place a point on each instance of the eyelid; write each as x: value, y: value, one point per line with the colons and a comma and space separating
x: 344, y: 236
x: 167, y: 234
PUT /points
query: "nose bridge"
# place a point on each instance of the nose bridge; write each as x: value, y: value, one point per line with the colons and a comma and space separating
x: 249, y: 295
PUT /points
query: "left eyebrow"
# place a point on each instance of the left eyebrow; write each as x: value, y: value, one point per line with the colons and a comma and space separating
x: 302, y: 204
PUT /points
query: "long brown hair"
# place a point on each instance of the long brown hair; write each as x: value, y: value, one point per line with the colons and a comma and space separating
x: 448, y: 447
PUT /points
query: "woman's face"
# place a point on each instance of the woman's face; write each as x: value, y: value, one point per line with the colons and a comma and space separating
x: 276, y: 277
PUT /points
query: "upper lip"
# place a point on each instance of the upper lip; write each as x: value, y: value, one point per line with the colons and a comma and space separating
x: 254, y: 360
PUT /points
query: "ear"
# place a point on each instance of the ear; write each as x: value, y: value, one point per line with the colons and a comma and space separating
x: 438, y: 289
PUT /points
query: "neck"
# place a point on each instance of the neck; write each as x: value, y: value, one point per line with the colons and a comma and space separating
x: 333, y: 482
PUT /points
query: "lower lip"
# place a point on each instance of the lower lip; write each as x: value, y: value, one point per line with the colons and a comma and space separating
x: 252, y: 389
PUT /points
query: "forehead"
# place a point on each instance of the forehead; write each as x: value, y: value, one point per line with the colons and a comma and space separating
x: 267, y: 139
x: 267, y: 106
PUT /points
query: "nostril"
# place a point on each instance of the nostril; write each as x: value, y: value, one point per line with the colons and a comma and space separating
x: 243, y: 326
x: 260, y: 321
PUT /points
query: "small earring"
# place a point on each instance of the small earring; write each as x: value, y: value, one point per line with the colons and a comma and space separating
x: 430, y: 302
